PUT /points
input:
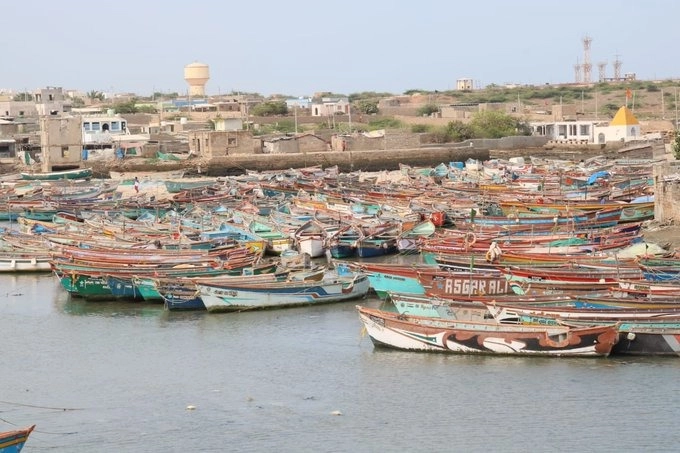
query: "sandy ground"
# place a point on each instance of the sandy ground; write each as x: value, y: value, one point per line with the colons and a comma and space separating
x: 654, y: 232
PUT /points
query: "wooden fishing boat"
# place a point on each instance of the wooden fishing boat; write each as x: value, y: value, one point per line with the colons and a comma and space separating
x: 465, y: 308
x: 645, y: 337
x: 463, y: 283
x: 337, y: 285
x: 24, y: 261
x: 598, y: 310
x: 79, y: 173
x: 569, y: 278
x: 13, y: 441
x: 386, y: 277
x: 408, y: 241
x: 382, y: 240
x: 177, y: 186
x: 416, y: 333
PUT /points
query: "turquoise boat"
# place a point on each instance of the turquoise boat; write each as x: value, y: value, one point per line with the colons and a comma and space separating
x: 180, y: 186
x: 79, y: 173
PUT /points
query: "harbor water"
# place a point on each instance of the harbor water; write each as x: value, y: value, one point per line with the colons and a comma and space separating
x: 118, y: 377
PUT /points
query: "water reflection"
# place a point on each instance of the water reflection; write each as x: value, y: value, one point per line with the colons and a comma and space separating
x: 106, y: 309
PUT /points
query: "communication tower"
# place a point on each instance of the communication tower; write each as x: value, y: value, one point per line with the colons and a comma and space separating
x: 587, y: 66
x: 602, y: 71
x: 577, y: 72
x: 617, y: 68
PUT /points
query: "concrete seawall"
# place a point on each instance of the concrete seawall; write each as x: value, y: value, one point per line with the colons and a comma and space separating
x: 346, y: 161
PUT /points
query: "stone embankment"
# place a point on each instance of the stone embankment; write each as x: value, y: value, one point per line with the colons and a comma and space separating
x: 347, y: 161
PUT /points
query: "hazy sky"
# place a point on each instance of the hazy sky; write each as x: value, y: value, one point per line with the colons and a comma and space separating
x: 299, y: 47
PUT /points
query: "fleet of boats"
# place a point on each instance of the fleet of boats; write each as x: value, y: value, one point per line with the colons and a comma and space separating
x: 542, y: 258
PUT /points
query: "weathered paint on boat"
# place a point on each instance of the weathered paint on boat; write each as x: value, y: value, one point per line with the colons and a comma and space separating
x: 82, y: 173
x: 425, y: 334
x: 14, y: 441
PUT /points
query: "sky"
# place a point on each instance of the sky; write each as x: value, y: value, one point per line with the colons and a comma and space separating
x: 299, y: 47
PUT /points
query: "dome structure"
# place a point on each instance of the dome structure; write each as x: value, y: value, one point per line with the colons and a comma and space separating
x: 197, y: 75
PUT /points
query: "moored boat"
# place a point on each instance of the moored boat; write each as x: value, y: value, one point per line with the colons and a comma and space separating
x: 79, y: 173
x: 416, y: 333
x: 13, y: 441
x: 336, y: 285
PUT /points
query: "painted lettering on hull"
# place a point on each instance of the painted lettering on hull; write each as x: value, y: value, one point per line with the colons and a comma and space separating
x: 460, y: 286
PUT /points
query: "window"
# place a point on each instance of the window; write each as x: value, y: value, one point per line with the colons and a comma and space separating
x: 64, y: 151
x: 96, y: 127
x: 115, y: 126
x: 86, y: 126
x: 123, y: 125
x: 231, y: 141
x: 50, y: 97
x: 585, y: 129
x: 572, y: 130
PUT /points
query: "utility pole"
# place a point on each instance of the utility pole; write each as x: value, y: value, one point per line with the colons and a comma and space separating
x: 676, y: 108
x: 349, y: 114
x: 663, y: 107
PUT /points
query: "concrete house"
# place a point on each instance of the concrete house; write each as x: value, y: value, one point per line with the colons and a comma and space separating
x: 623, y: 127
x: 60, y: 142
x: 565, y: 131
x: 304, y: 143
x: 330, y: 106
x: 209, y: 144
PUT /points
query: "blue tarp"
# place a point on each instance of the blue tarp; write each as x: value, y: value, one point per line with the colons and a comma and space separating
x: 597, y: 175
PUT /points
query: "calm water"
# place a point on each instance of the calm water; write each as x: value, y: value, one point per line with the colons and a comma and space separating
x: 100, y: 377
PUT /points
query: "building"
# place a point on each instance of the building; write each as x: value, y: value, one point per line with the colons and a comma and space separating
x: 209, y: 144
x: 465, y: 84
x: 51, y: 101
x: 623, y: 127
x: 101, y: 130
x: 300, y: 103
x: 565, y: 131
x: 45, y: 101
x: 60, y: 142
x: 228, y: 124
x: 330, y: 106
x: 303, y: 143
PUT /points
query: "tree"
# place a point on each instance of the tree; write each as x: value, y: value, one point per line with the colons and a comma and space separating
x: 270, y: 108
x: 457, y: 131
x: 126, y: 107
x: 676, y: 146
x: 25, y: 96
x: 77, y: 102
x: 95, y: 95
x: 427, y: 110
x: 367, y: 106
x: 492, y: 124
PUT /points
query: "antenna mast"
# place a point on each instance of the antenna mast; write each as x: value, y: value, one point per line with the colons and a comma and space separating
x: 587, y: 66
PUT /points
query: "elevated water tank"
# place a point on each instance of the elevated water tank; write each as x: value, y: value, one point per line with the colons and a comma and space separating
x: 197, y: 75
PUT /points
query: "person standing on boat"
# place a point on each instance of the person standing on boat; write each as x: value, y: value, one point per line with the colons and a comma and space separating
x: 136, y: 184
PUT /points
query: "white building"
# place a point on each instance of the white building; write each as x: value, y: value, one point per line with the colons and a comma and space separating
x: 465, y: 84
x: 565, y: 131
x: 330, y: 106
x: 100, y: 130
x: 623, y: 127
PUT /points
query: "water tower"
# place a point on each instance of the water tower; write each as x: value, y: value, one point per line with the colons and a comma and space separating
x: 196, y: 75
